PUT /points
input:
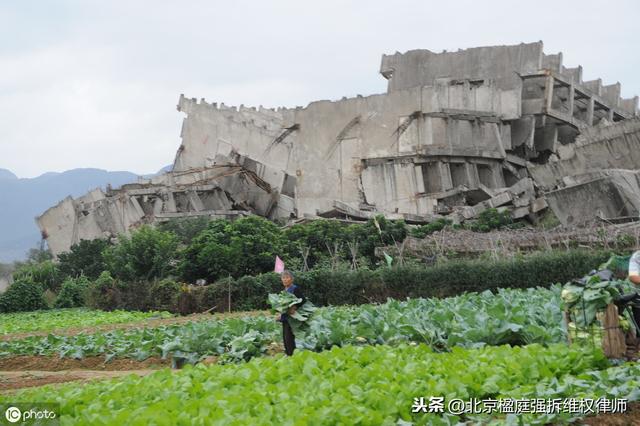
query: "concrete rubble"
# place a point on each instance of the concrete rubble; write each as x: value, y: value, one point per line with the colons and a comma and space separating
x: 456, y: 133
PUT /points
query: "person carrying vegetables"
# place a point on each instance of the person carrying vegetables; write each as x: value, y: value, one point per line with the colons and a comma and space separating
x: 634, y: 277
x: 287, y: 333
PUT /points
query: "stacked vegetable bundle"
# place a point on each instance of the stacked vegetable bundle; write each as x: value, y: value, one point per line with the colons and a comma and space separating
x: 585, y: 300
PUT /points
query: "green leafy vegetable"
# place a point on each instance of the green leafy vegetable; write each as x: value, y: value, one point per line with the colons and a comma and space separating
x: 371, y: 385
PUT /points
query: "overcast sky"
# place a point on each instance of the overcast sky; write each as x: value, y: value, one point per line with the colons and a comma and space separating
x: 95, y: 83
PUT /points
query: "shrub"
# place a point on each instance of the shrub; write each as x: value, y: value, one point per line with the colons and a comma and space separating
x: 188, y: 298
x: 72, y: 294
x: 164, y: 295
x: 104, y: 293
x: 327, y: 287
x: 344, y: 286
x: 45, y: 273
x: 490, y: 219
x: 23, y: 295
x: 422, y: 231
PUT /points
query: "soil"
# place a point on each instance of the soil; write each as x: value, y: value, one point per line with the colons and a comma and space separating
x: 14, y: 380
x: 97, y: 363
x: 631, y: 417
x: 150, y: 323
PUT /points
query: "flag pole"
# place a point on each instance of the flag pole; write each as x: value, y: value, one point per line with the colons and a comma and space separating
x: 229, y: 292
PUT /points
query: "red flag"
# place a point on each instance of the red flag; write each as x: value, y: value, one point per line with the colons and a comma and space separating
x: 279, y: 265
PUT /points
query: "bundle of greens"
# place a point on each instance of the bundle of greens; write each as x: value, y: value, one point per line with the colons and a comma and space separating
x: 591, y: 295
x: 281, y: 302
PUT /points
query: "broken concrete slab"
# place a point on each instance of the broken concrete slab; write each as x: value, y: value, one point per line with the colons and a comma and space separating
x: 224, y: 191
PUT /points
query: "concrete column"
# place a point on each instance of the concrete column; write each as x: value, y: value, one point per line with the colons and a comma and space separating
x: 589, y: 117
x: 170, y: 205
x: 610, y: 115
x: 548, y: 93
x: 136, y: 206
x: 195, y: 201
x: 572, y: 93
x: 472, y: 174
x: 446, y: 176
x: 498, y: 177
x: 474, y: 177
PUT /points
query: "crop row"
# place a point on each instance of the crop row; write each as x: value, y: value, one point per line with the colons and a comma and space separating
x: 371, y: 385
x: 67, y: 318
x: 515, y: 317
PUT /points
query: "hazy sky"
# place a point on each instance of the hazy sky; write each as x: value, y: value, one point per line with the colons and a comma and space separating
x: 95, y: 83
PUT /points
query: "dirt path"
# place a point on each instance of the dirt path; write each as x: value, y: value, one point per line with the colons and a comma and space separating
x: 149, y: 323
x: 630, y: 417
x: 55, y: 363
x: 13, y: 380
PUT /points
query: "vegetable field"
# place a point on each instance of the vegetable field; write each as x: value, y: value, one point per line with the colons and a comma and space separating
x: 516, y: 317
x: 371, y: 385
x: 69, y: 318
x: 362, y: 364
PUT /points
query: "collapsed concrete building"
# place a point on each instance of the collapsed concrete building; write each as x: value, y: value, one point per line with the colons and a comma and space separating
x: 455, y: 133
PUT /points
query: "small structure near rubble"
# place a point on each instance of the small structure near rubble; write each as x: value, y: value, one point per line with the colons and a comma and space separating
x: 456, y: 133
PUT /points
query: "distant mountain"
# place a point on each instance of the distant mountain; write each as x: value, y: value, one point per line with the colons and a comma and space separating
x: 25, y: 199
x: 6, y: 174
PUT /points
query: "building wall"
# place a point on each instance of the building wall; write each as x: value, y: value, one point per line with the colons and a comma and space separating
x: 423, y: 67
x: 332, y: 139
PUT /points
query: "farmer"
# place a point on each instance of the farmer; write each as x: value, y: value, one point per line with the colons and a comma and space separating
x: 287, y: 333
x: 634, y: 277
x: 634, y: 268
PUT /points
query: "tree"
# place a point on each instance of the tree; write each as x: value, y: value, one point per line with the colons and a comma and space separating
x: 321, y: 237
x: 255, y: 242
x: 377, y: 232
x: 84, y: 259
x: 148, y: 254
x: 39, y: 254
x: 208, y: 256
x: 247, y: 246
x: 185, y: 228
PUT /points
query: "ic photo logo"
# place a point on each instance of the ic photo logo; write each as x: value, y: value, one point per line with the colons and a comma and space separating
x: 31, y: 413
x: 13, y: 414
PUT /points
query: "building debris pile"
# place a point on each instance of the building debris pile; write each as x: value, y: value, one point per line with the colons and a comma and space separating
x: 506, y: 127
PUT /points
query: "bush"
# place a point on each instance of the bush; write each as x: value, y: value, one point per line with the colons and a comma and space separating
x: 188, y: 299
x: 340, y: 287
x: 490, y: 219
x: 422, y: 231
x: 327, y: 287
x: 23, y: 295
x: 164, y: 295
x: 45, y: 273
x: 73, y: 292
x: 104, y: 293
